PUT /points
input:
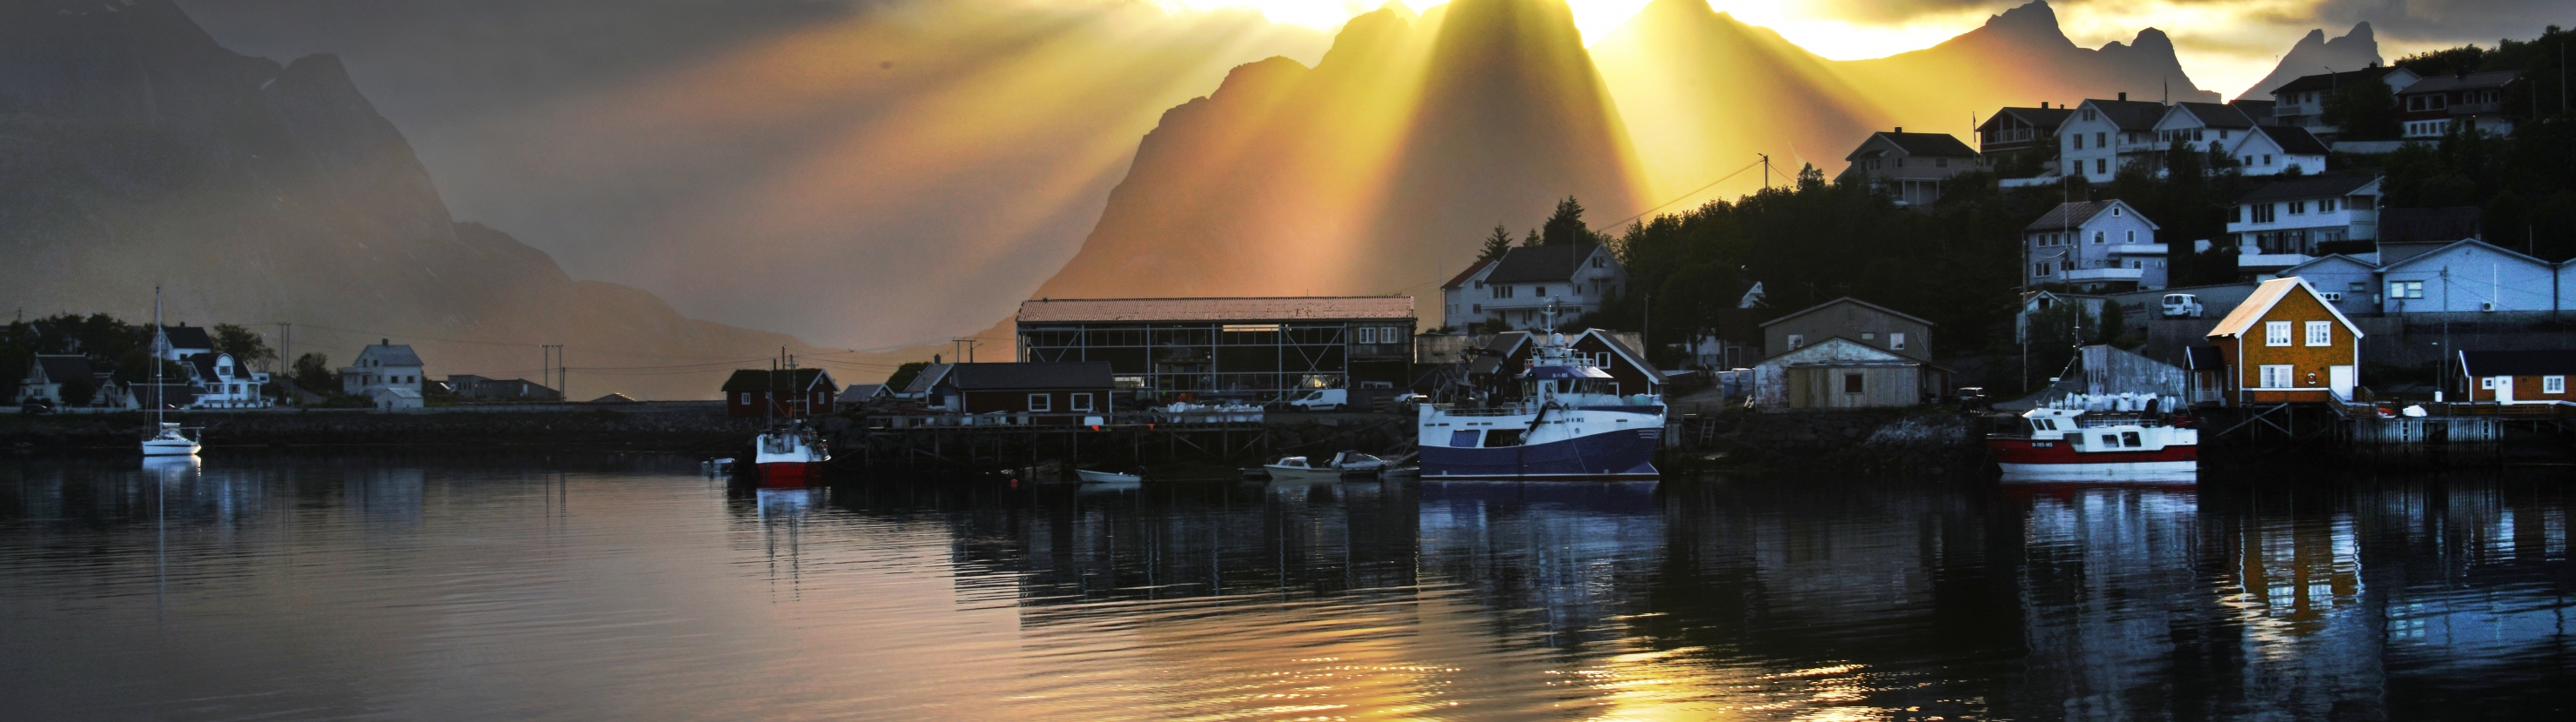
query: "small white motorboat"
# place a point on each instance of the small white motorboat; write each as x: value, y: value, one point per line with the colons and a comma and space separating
x: 1296, y: 468
x: 171, y: 441
x: 1107, y: 477
x: 1353, y: 463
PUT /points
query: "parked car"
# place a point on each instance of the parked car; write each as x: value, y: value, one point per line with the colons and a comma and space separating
x: 2182, y: 305
x: 1320, y: 400
x: 36, y: 407
x: 1970, y: 397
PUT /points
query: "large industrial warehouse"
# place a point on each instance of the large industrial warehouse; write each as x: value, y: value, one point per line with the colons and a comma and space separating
x: 1253, y: 348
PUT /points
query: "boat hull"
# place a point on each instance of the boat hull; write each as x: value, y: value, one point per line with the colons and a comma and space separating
x: 787, y: 474
x: 2029, y: 460
x: 169, y: 448
x: 1626, y: 454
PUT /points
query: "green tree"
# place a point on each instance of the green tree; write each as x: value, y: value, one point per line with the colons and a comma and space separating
x: 904, y: 374
x: 2363, y: 110
x: 1496, y: 245
x: 1533, y: 240
x: 313, y: 373
x: 1565, y: 227
x: 247, y: 347
x: 78, y: 392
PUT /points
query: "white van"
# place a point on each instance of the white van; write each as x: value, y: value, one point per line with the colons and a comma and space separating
x: 2182, y: 305
x: 1321, y: 400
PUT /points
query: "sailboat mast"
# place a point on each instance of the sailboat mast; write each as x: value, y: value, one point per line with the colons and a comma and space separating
x: 157, y: 341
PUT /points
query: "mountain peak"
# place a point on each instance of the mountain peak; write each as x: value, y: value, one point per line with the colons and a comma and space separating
x: 2314, y: 53
x: 2034, y: 18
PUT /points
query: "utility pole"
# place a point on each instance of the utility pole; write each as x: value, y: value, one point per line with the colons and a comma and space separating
x: 1766, y: 170
x: 285, y: 347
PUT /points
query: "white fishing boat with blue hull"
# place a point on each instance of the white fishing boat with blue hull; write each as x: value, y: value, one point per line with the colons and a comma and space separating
x: 1568, y: 425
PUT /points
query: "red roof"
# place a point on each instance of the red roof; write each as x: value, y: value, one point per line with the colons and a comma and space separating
x: 1479, y: 265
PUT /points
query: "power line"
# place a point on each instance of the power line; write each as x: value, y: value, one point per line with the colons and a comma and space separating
x: 1682, y: 197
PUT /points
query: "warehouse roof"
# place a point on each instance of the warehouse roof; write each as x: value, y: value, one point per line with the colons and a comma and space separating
x: 1292, y: 308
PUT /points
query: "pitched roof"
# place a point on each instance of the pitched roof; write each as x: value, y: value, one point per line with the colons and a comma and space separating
x: 64, y: 367
x: 1285, y: 308
x: 2517, y: 363
x: 2039, y: 117
x: 2203, y: 358
x: 2130, y: 114
x: 2069, y: 215
x: 2415, y: 225
x: 1008, y: 376
x: 776, y: 380
x: 1848, y: 299
x: 2324, y: 186
x: 1490, y: 357
x: 2256, y: 109
x: 2266, y: 296
x: 1541, y: 263
x: 387, y: 354
x: 2328, y: 81
x: 2293, y: 141
x: 2440, y: 83
x: 186, y: 336
x: 928, y: 379
x: 2216, y: 115
x: 1462, y: 276
x: 205, y: 364
x: 1927, y: 144
x: 1626, y: 351
x: 2469, y: 243
x: 2329, y: 258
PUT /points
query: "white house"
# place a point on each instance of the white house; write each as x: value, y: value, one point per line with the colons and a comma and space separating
x: 2468, y: 277
x: 2094, y: 246
x: 2301, y: 103
x: 2274, y: 150
x: 2349, y: 283
x: 176, y: 343
x: 2202, y: 126
x: 1514, y: 291
x: 2467, y: 102
x: 1909, y: 166
x: 51, y: 372
x: 1462, y: 299
x: 221, y: 383
x: 2280, y: 224
x: 2103, y: 135
x: 386, y: 373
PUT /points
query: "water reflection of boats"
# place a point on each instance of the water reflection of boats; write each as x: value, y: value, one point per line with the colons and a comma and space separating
x: 1615, y: 496
x: 172, y: 468
x: 785, y: 503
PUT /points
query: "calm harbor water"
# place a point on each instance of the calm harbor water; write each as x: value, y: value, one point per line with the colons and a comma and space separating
x: 631, y: 587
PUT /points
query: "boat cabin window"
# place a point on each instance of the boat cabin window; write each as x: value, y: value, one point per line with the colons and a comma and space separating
x: 2130, y: 438
x: 2110, y: 440
x: 1502, y: 437
x: 1462, y: 438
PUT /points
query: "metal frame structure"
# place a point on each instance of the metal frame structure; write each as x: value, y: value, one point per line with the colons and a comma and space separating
x: 1258, y: 358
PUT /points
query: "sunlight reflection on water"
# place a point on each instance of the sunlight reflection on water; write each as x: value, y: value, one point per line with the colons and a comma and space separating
x: 579, y: 587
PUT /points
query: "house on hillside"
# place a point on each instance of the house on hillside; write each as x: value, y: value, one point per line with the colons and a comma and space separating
x: 2301, y: 103
x: 2470, y: 276
x: 2094, y: 246
x: 2282, y: 223
x: 387, y: 374
x: 2274, y: 150
x: 2103, y: 135
x: 2013, y: 130
x: 223, y: 383
x: 1462, y: 299
x: 2438, y: 105
x: 1909, y: 166
x: 481, y: 388
x: 2350, y: 283
x: 1516, y: 291
x: 2203, y: 127
x: 2286, y: 344
x: 779, y: 393
x: 176, y: 343
x: 2512, y: 377
x: 1027, y: 393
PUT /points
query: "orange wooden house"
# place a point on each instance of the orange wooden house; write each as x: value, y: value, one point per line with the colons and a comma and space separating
x: 2286, y: 344
x: 2526, y: 377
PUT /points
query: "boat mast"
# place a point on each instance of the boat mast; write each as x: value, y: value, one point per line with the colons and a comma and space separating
x: 160, y: 341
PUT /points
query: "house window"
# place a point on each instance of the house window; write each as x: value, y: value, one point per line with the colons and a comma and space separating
x: 2101, y: 140
x: 2097, y: 236
x: 2115, y: 211
x: 1896, y: 341
x: 1041, y: 402
x: 2553, y: 384
x: 1368, y: 334
x: 1868, y: 336
x: 1797, y: 340
x: 1851, y: 383
x: 1540, y: 291
x: 2320, y: 333
x: 2332, y: 296
x: 2405, y: 289
x: 2133, y: 237
x: 2486, y: 382
x: 1940, y: 162
x: 2276, y: 377
x: 2264, y: 212
x: 2298, y: 208
x: 2276, y: 333
x: 1080, y: 402
x: 746, y: 398
x: 2101, y: 165
x: 2267, y: 159
x: 1387, y: 334
x: 2326, y: 206
x: 1597, y: 261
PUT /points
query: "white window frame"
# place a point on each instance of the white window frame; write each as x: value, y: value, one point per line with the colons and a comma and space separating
x: 2553, y: 384
x: 2320, y: 333
x: 2276, y: 333
x: 1796, y: 341
x: 2277, y: 376
x: 1387, y: 334
x: 1041, y: 403
x: 746, y: 398
x: 1896, y: 341
x: 1368, y: 334
x: 2487, y: 382
x: 1079, y: 402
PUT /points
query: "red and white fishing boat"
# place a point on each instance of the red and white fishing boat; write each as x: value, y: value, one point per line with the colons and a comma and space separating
x: 2106, y: 439
x: 788, y: 457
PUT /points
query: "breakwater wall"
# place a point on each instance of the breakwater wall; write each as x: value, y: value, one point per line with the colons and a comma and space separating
x: 689, y: 429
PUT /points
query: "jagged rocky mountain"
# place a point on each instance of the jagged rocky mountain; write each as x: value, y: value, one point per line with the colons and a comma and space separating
x: 135, y: 151
x: 2315, y: 55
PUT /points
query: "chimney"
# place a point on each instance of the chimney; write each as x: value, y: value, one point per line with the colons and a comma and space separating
x: 1900, y: 129
x: 2124, y: 96
x: 2043, y: 105
x: 384, y: 342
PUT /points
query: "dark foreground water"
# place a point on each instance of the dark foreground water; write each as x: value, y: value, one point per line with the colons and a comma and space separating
x: 599, y: 587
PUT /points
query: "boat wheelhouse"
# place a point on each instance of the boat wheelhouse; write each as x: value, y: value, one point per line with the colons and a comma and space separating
x: 1568, y: 424
x: 2104, y: 439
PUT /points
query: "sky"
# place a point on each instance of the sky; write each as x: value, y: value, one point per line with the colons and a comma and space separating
x: 880, y: 173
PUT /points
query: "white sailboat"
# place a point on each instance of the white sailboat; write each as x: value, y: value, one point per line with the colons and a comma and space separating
x: 167, y: 438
